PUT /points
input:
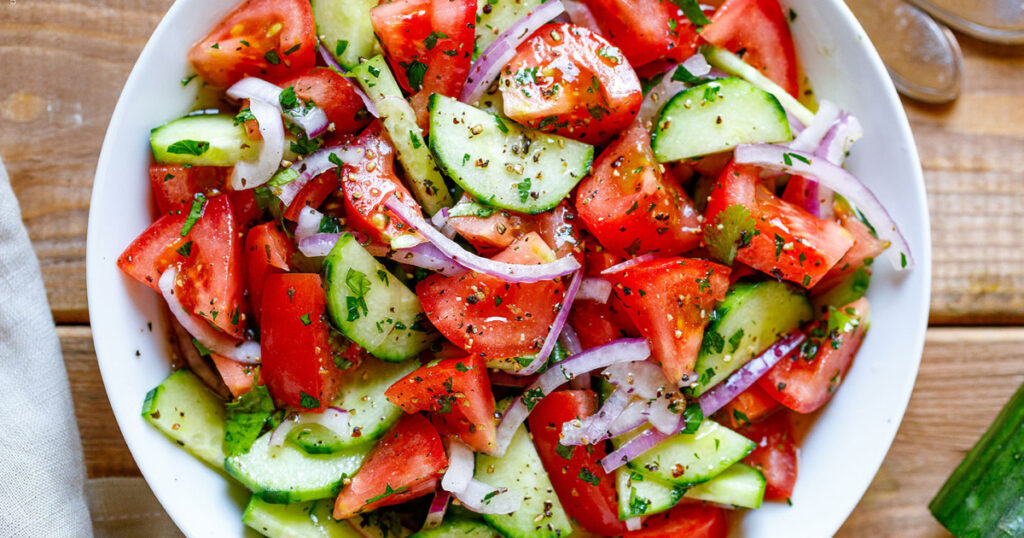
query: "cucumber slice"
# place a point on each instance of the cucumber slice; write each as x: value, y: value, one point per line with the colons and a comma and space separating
x: 190, y: 414
x: 297, y: 520
x: 521, y: 471
x: 751, y: 318
x: 501, y: 163
x: 851, y: 288
x: 345, y: 27
x: 691, y: 458
x: 385, y: 317
x: 370, y: 414
x: 740, y: 485
x: 495, y: 16
x: 460, y: 528
x: 286, y: 474
x: 641, y: 495
x: 399, y: 120
x: 215, y: 137
x: 380, y: 523
x: 729, y: 62
x: 717, y: 116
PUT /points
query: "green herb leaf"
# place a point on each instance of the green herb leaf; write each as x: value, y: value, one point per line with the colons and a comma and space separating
x: 415, y: 70
x: 198, y: 205
x: 272, y: 57
x: 245, y: 418
x: 185, y: 250
x: 693, y: 12
x: 693, y: 416
x: 564, y: 451
x: 732, y: 230
x: 189, y: 147
x: 357, y: 282
x: 589, y: 477
x: 339, y: 47
x: 431, y: 39
x: 524, y: 189
x: 305, y: 319
x: 307, y: 401
x: 387, y: 493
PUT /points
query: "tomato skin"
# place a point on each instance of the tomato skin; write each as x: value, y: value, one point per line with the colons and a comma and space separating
x: 457, y: 392
x: 749, y: 406
x: 593, y: 506
x: 645, y: 30
x: 558, y: 228
x: 598, y: 100
x: 775, y: 455
x: 154, y: 250
x: 630, y: 206
x: 791, y: 243
x: 238, y: 377
x: 175, y: 187
x: 401, y: 27
x: 598, y: 324
x: 410, y: 458
x: 240, y: 44
x: 807, y: 378
x: 760, y: 29
x: 333, y: 93
x: 368, y: 184
x: 313, y: 194
x: 449, y: 60
x: 597, y: 257
x: 692, y: 520
x: 460, y: 306
x: 295, y: 343
x: 267, y: 250
x: 865, y: 246
x: 670, y: 300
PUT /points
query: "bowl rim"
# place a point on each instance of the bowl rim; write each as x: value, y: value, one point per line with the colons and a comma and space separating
x: 95, y: 265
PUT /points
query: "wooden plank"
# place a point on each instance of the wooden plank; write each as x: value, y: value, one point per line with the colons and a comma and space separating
x: 941, y: 424
x: 72, y: 59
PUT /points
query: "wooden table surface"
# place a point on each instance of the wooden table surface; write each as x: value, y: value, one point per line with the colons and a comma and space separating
x: 62, y: 66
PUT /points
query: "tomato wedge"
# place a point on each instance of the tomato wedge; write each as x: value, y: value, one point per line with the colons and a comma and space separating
x: 866, y: 247
x: 757, y: 30
x: 670, y: 300
x: 296, y: 344
x: 175, y: 187
x: 458, y: 395
x: 335, y: 94
x: 631, y: 207
x: 406, y: 463
x: 568, y: 80
x: 789, y: 243
x: 154, y: 250
x: 499, y: 228
x: 645, y: 30
x: 267, y: 250
x: 600, y: 323
x: 270, y: 39
x: 403, y: 28
x: 808, y: 377
x: 749, y: 406
x: 449, y: 57
x: 313, y: 194
x: 485, y: 315
x: 368, y: 184
x: 586, y: 491
x: 775, y: 455
x: 692, y: 520
x: 238, y: 377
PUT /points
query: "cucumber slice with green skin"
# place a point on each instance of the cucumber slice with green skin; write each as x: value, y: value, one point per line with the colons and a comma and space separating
x: 541, y: 514
x: 202, y: 140
x: 687, y: 459
x: 641, y: 495
x: 982, y: 497
x: 399, y: 120
x: 750, y: 319
x: 717, y: 116
x: 345, y: 26
x: 853, y: 287
x: 740, y: 485
x: 729, y: 62
x: 190, y: 414
x: 297, y: 520
x: 502, y: 163
x: 460, y: 528
x: 384, y: 317
x: 370, y: 414
x: 286, y: 474
x: 495, y: 16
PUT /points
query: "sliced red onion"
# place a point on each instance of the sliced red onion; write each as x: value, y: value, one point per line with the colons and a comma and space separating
x: 460, y: 466
x: 595, y: 289
x: 440, y: 221
x: 427, y: 256
x: 810, y: 138
x: 486, y: 68
x: 819, y: 169
x: 485, y: 499
x: 318, y: 245
x: 839, y: 139
x: 252, y: 174
x: 634, y: 416
x: 655, y: 99
x: 622, y: 350
x: 580, y: 15
x: 329, y: 61
x: 313, y: 120
x: 634, y: 523
x: 308, y: 223
x: 742, y: 379
x: 333, y: 418
x: 632, y: 449
x: 570, y: 340
x: 435, y: 514
x: 245, y: 352
x: 556, y: 327
x: 313, y: 165
x: 629, y: 263
x: 660, y: 415
x: 509, y: 272
x: 197, y: 364
x: 640, y: 378
x: 601, y: 420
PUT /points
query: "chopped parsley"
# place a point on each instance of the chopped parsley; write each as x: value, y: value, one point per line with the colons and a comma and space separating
x: 431, y: 41
x: 272, y: 58
x: 415, y: 70
x: 307, y: 401
x: 189, y: 147
x: 564, y: 451
x: 339, y: 47
x: 779, y: 243
x: 524, y: 189
x: 693, y: 416
x: 732, y: 230
x: 245, y: 418
x: 198, y: 205
x: 589, y: 477
x: 185, y: 250
x: 693, y: 12
x: 305, y: 319
x: 387, y: 493
x: 531, y: 397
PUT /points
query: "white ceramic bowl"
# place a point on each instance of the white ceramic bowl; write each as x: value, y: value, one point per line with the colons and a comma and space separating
x: 841, y: 453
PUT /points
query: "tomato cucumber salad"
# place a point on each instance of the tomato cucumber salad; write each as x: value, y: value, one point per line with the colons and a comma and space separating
x: 504, y: 267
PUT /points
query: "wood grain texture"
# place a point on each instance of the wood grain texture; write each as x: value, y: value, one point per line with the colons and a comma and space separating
x: 72, y: 59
